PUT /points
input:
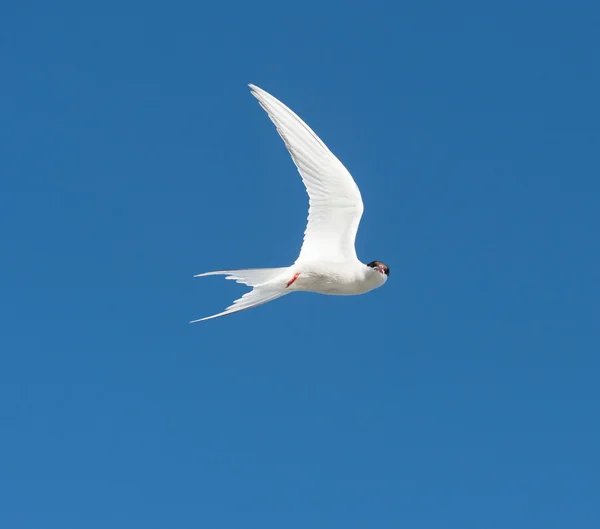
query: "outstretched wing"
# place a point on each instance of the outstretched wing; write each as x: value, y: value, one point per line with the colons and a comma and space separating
x: 335, y: 203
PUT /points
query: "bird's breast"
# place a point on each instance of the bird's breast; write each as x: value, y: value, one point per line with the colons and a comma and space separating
x: 332, y: 280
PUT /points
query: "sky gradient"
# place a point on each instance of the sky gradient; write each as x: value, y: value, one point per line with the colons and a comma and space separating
x: 463, y: 394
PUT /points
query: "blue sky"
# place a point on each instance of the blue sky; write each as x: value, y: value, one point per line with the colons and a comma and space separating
x: 463, y: 394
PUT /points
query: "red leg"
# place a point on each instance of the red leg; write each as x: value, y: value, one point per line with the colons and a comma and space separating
x: 293, y: 279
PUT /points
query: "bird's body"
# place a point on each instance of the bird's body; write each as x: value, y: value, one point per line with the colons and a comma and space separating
x: 333, y: 279
x: 327, y: 263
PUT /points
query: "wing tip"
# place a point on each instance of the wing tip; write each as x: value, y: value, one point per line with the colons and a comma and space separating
x: 259, y: 93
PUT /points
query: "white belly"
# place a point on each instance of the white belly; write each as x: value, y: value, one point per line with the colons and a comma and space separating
x: 334, y: 279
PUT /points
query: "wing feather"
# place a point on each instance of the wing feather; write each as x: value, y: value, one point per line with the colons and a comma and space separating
x: 335, y: 203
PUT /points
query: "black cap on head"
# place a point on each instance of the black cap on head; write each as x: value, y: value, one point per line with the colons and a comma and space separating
x: 377, y: 264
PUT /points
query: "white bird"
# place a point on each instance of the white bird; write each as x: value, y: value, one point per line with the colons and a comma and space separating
x: 327, y: 263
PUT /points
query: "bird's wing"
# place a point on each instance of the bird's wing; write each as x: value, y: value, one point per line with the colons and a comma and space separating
x: 334, y: 198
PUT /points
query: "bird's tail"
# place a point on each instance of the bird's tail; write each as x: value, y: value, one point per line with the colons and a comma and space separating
x: 265, y: 288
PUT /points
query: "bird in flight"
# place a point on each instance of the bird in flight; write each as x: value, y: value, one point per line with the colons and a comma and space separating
x: 327, y: 263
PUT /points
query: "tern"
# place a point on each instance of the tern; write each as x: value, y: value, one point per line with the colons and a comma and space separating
x: 327, y: 263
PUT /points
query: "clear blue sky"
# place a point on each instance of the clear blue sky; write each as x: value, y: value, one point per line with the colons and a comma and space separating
x: 464, y: 394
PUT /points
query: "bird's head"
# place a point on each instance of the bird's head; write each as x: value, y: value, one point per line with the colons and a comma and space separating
x: 380, y: 268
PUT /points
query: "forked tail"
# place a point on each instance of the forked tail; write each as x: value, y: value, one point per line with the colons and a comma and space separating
x: 265, y: 288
